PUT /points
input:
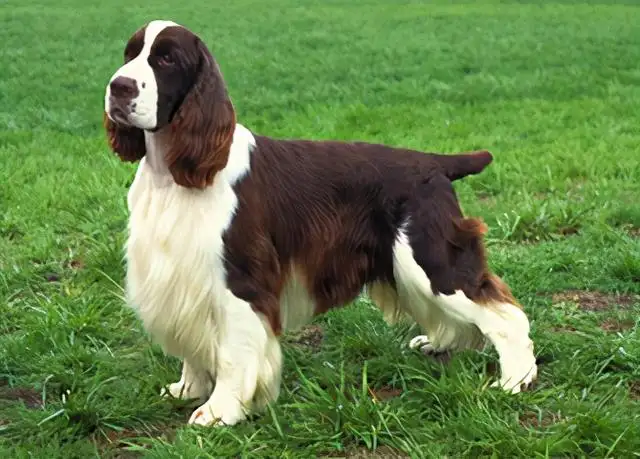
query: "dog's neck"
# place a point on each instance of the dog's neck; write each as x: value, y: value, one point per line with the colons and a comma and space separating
x: 156, y: 143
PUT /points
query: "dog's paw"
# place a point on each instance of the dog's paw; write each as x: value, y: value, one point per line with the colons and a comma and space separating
x: 423, y: 344
x: 517, y: 377
x: 217, y: 413
x: 185, y: 391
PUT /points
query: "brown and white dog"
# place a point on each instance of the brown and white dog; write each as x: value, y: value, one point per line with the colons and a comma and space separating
x: 235, y: 237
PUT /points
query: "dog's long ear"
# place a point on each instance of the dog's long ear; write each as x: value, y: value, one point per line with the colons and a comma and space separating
x: 126, y: 142
x: 202, y: 129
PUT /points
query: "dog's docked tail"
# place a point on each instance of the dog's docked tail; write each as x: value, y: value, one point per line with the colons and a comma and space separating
x: 459, y: 166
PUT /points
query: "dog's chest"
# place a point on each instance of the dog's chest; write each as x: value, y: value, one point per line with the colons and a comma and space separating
x: 175, y: 274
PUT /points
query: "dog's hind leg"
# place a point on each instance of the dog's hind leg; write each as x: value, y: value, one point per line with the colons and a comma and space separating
x: 455, y: 321
x: 443, y: 281
x: 442, y: 334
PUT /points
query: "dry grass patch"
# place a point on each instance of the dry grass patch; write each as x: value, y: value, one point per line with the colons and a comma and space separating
x: 309, y: 337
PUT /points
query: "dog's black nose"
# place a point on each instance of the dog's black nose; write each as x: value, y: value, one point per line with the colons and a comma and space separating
x: 124, y: 87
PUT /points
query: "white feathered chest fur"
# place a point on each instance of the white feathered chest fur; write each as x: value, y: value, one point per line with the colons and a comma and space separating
x: 175, y: 272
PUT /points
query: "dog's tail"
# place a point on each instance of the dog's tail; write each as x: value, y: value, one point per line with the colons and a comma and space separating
x: 459, y: 166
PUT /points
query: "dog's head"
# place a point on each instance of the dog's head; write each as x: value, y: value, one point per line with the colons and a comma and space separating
x: 170, y: 83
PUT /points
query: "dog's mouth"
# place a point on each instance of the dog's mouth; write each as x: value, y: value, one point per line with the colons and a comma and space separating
x: 119, y: 116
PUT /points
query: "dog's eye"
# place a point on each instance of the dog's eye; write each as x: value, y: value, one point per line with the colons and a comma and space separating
x: 165, y: 60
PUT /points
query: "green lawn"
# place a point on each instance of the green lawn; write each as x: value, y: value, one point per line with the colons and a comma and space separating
x: 553, y: 90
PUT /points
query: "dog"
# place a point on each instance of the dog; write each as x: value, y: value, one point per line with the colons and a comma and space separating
x: 234, y: 237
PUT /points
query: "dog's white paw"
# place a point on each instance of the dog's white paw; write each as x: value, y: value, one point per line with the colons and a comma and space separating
x: 423, y: 344
x: 220, y: 412
x: 418, y: 341
x: 517, y: 376
x: 185, y: 391
x: 175, y: 390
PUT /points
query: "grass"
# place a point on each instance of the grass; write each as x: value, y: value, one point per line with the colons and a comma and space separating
x: 551, y: 89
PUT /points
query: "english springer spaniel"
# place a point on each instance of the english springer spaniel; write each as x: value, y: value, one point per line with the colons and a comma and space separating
x: 234, y: 237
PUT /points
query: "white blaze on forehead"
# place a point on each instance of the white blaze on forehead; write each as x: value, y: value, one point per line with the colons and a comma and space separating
x: 152, y: 31
x: 144, y: 115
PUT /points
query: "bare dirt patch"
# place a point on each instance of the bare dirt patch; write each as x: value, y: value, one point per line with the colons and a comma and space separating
x: 593, y: 300
x: 634, y: 390
x: 309, y: 337
x: 634, y: 232
x: 382, y: 452
x: 384, y: 393
x: 113, y: 443
x: 76, y: 264
x: 568, y: 230
x: 52, y: 277
x: 617, y: 325
x: 30, y: 397
x: 531, y: 419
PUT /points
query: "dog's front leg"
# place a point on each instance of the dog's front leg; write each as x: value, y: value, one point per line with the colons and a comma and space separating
x: 248, y: 366
x: 194, y: 384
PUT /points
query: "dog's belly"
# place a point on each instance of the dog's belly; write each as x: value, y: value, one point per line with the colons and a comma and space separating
x: 297, y: 306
